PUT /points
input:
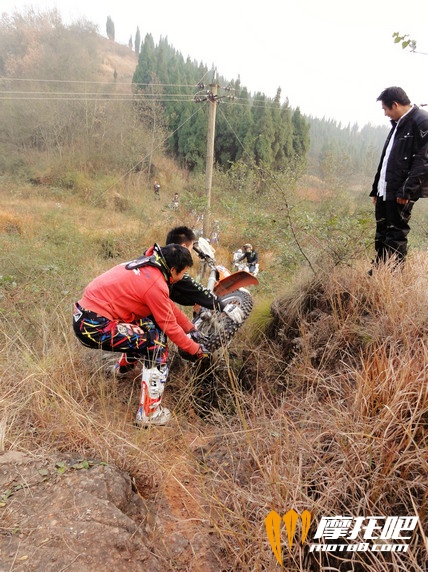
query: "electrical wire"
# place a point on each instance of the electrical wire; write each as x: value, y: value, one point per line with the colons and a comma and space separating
x: 90, y: 82
x: 112, y: 96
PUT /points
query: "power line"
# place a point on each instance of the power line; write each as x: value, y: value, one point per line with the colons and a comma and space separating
x: 93, y: 96
x: 203, y: 96
x: 105, y: 99
x: 112, y: 97
x: 89, y: 82
x: 86, y: 93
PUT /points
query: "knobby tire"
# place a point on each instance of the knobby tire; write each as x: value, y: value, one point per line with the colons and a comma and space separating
x: 220, y: 329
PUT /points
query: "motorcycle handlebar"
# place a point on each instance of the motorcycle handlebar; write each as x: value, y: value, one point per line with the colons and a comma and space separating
x: 203, y: 256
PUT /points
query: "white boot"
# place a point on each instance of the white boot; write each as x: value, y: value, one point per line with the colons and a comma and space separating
x: 150, y: 411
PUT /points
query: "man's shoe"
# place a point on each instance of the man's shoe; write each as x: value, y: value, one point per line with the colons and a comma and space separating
x: 160, y: 416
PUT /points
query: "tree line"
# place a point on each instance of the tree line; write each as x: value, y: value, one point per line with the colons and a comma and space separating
x: 253, y: 128
x: 165, y: 109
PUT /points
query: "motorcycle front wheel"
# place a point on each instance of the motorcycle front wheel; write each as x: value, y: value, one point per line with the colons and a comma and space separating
x: 218, y: 328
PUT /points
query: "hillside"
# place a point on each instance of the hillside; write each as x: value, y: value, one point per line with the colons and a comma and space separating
x: 325, y: 409
x: 115, y: 57
x: 320, y: 403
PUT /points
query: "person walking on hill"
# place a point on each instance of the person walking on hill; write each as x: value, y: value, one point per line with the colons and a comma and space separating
x: 156, y: 189
x: 175, y: 202
x: 402, y: 175
x: 128, y: 309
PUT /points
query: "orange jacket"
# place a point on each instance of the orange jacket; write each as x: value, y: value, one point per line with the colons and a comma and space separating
x: 127, y: 295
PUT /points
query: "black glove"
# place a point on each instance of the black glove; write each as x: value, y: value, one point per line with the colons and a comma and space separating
x: 202, y: 353
x: 406, y: 210
x: 198, y: 336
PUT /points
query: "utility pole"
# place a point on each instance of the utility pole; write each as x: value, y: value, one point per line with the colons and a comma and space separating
x: 212, y: 99
x: 211, y: 96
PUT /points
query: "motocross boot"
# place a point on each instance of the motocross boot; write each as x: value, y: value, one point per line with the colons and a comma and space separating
x: 150, y: 410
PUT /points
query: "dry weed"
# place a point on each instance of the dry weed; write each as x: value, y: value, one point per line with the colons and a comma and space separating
x: 325, y: 411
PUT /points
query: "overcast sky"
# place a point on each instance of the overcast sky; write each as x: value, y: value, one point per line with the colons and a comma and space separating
x: 331, y: 58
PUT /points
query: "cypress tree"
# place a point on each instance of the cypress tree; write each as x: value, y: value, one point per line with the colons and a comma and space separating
x: 110, y: 28
x: 137, y: 41
x: 264, y: 131
x: 300, y: 134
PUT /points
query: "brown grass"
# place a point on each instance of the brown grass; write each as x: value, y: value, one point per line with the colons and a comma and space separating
x: 324, y: 409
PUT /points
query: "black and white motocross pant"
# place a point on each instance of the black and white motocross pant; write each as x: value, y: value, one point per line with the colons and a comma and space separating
x: 142, y: 339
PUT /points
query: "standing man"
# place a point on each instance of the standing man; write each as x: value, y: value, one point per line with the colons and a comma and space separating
x: 156, y: 189
x: 402, y: 174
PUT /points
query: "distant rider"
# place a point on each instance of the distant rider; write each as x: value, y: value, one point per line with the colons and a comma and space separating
x: 251, y: 257
x: 175, y: 201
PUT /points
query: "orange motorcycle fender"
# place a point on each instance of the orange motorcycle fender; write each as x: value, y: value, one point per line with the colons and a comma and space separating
x: 234, y: 281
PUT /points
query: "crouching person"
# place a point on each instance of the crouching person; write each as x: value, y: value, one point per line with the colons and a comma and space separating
x: 128, y: 310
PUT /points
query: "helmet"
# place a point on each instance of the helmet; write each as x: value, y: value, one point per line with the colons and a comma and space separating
x: 248, y: 246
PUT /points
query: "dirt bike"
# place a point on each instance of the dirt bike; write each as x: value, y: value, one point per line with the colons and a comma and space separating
x: 218, y: 327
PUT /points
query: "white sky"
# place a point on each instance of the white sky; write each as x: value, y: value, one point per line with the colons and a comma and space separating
x: 331, y: 58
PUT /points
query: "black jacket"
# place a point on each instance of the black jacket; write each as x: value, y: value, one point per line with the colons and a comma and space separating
x: 252, y: 257
x: 188, y: 292
x: 407, y: 169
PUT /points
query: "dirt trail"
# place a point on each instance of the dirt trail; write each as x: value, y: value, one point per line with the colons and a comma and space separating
x: 187, y: 534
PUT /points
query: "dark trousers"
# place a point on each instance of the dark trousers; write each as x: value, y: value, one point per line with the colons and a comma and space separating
x: 392, y: 228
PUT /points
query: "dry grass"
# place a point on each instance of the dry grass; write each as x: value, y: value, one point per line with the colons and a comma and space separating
x: 327, y: 410
x: 345, y: 429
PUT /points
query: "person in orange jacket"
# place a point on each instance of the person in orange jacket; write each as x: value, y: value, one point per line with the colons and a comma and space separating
x: 128, y: 309
x: 186, y: 292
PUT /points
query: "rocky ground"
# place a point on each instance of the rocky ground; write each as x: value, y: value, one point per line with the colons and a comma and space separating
x: 78, y: 515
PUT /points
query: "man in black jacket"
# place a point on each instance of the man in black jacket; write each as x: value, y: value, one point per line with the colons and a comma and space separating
x: 402, y: 174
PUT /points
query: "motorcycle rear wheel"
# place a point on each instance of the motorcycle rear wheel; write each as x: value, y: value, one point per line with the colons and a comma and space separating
x: 218, y: 328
